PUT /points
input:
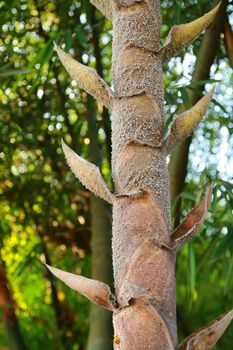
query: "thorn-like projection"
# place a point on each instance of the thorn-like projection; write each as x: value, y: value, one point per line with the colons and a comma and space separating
x: 206, y: 337
x: 184, y: 34
x: 88, y: 173
x: 87, y: 78
x: 98, y: 292
x: 186, y: 122
x: 104, y: 6
x: 191, y: 224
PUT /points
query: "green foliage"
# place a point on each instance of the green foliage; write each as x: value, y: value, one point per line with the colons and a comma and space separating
x: 45, y: 211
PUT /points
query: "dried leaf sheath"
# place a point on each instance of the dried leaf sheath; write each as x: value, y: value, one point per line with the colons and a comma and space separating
x: 185, y: 123
x: 98, y: 292
x: 184, y: 34
x: 206, y: 337
x: 191, y: 224
x: 88, y: 173
x: 87, y: 78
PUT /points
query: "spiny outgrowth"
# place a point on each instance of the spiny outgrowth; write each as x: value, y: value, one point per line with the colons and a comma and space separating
x: 88, y: 173
x: 184, y: 34
x: 191, y: 224
x: 97, y: 292
x: 87, y: 78
x: 104, y: 6
x: 186, y: 122
x: 206, y: 337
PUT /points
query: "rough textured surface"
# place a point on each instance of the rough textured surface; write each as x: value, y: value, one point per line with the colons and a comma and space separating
x: 98, y: 292
x: 136, y: 71
x: 88, y: 173
x: 138, y: 119
x: 138, y: 322
x: 186, y: 122
x: 155, y: 287
x: 141, y: 28
x: 87, y: 78
x: 206, y: 337
x: 191, y: 224
x: 140, y: 167
x: 144, y: 272
x: 134, y: 221
x: 184, y: 34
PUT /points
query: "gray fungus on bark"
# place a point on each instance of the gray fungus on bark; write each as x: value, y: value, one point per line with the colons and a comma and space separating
x: 144, y: 248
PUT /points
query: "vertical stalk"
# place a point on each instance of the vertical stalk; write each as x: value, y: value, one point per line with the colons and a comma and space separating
x: 144, y: 272
x: 57, y: 308
x: 101, y: 332
x: 14, y: 335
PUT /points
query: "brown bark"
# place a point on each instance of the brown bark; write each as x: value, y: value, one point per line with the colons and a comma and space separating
x: 8, y: 315
x: 205, y: 58
x: 144, y: 273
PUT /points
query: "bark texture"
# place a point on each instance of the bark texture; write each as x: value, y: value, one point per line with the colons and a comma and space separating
x: 144, y: 247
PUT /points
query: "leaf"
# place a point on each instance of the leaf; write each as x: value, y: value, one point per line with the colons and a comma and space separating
x: 206, y: 337
x: 206, y: 255
x: 87, y: 78
x: 104, y: 6
x: 14, y: 72
x: 82, y: 39
x: 225, y: 244
x: 191, y: 224
x: 68, y: 40
x: 184, y: 34
x: 98, y: 292
x: 185, y: 123
x: 88, y: 173
x: 191, y: 268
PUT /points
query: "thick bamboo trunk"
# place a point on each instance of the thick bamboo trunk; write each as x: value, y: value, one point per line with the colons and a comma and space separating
x: 144, y: 248
x: 144, y: 272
